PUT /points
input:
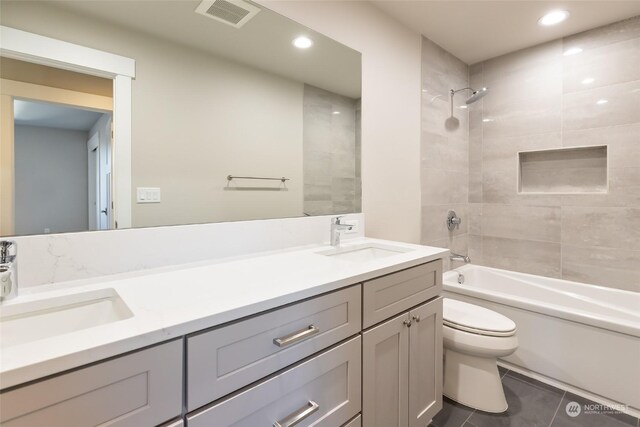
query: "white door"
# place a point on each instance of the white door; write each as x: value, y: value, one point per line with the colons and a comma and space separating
x: 104, y: 192
x: 93, y: 181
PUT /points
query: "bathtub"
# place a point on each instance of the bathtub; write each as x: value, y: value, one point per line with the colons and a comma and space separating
x: 582, y: 338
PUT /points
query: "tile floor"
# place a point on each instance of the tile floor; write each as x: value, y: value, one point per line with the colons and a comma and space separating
x: 531, y: 404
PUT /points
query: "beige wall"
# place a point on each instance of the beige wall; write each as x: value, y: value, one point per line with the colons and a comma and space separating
x: 538, y: 100
x: 444, y: 148
x: 185, y: 140
x: 390, y: 108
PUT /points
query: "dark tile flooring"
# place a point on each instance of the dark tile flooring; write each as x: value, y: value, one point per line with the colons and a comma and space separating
x: 531, y: 404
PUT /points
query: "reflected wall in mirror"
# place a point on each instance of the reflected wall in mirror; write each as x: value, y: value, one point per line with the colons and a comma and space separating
x: 209, y: 101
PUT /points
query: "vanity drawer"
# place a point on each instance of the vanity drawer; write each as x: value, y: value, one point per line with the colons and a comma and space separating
x: 356, y: 422
x: 139, y: 389
x: 223, y: 360
x: 394, y: 293
x: 325, y: 388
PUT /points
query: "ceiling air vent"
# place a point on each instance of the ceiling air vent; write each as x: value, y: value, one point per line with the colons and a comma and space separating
x: 232, y: 12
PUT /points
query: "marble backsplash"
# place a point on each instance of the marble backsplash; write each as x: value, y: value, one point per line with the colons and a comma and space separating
x: 47, y: 259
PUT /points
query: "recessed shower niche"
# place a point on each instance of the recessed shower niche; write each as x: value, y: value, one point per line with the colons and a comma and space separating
x: 563, y: 170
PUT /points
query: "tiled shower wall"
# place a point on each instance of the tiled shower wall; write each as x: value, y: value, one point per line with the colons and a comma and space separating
x: 331, y: 153
x: 444, y: 148
x: 542, y: 98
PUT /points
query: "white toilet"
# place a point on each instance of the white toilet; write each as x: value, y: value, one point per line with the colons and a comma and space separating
x: 474, y: 337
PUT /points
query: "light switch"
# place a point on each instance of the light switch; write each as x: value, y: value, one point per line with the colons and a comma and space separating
x: 148, y: 195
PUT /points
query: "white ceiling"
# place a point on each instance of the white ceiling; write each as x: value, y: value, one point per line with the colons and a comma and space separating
x: 57, y: 116
x: 264, y: 42
x: 478, y: 30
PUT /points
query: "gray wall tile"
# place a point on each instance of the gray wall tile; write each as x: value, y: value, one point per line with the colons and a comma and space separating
x: 526, y: 256
x: 583, y: 110
x: 331, y: 153
x: 606, y: 227
x: 537, y: 101
x: 541, y: 223
x: 444, y: 147
x: 616, y: 268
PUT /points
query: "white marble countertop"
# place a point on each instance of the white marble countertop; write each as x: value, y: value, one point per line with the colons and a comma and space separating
x: 170, y: 302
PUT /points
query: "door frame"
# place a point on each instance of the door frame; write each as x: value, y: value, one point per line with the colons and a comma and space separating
x: 29, y: 47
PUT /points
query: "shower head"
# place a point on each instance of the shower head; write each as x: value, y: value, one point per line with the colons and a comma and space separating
x: 477, y: 94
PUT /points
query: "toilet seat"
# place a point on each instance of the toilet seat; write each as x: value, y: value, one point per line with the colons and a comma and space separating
x: 476, y: 320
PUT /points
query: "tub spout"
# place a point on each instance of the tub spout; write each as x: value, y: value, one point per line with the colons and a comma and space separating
x: 457, y: 257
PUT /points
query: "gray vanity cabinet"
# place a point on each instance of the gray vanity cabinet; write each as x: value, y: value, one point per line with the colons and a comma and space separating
x: 308, y: 363
x: 356, y: 422
x: 223, y: 360
x: 138, y: 389
x: 402, y: 369
x: 175, y: 423
x: 394, y: 293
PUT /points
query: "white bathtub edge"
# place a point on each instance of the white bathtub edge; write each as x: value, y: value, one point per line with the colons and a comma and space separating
x: 552, y: 310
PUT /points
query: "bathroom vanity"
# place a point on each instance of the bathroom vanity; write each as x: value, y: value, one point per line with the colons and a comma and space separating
x: 317, y: 336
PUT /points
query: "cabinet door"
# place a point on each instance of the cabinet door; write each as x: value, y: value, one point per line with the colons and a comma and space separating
x: 425, y: 363
x: 385, y: 369
x: 139, y: 389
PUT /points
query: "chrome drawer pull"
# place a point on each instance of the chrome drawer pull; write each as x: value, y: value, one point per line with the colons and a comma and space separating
x: 297, y: 336
x: 298, y: 416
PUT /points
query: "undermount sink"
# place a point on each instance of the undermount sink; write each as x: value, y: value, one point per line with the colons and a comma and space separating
x: 34, y: 320
x: 364, y: 252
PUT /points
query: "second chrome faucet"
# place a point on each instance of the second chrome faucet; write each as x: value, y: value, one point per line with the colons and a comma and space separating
x: 336, y: 227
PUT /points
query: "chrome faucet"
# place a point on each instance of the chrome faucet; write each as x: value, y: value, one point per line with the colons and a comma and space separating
x: 8, y: 269
x: 336, y: 228
x: 457, y: 257
x: 453, y: 221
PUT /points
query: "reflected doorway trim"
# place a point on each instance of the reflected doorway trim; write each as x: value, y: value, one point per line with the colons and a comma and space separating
x: 29, y: 47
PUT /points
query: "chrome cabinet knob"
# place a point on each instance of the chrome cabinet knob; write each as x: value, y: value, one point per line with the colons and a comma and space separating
x: 416, y: 319
x: 407, y: 323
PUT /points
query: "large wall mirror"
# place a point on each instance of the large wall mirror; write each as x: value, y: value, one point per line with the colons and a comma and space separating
x: 233, y: 117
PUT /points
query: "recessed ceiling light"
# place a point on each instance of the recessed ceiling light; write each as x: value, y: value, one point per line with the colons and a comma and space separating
x: 588, y: 81
x: 602, y: 101
x: 487, y: 120
x: 572, y: 51
x: 554, y: 17
x: 336, y: 112
x: 302, y: 42
x: 464, y: 107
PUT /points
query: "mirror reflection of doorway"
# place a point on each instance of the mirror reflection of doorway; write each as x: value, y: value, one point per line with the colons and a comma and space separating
x: 56, y: 150
x: 62, y: 168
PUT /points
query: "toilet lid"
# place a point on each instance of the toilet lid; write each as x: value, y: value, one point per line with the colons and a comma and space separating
x: 476, y: 319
